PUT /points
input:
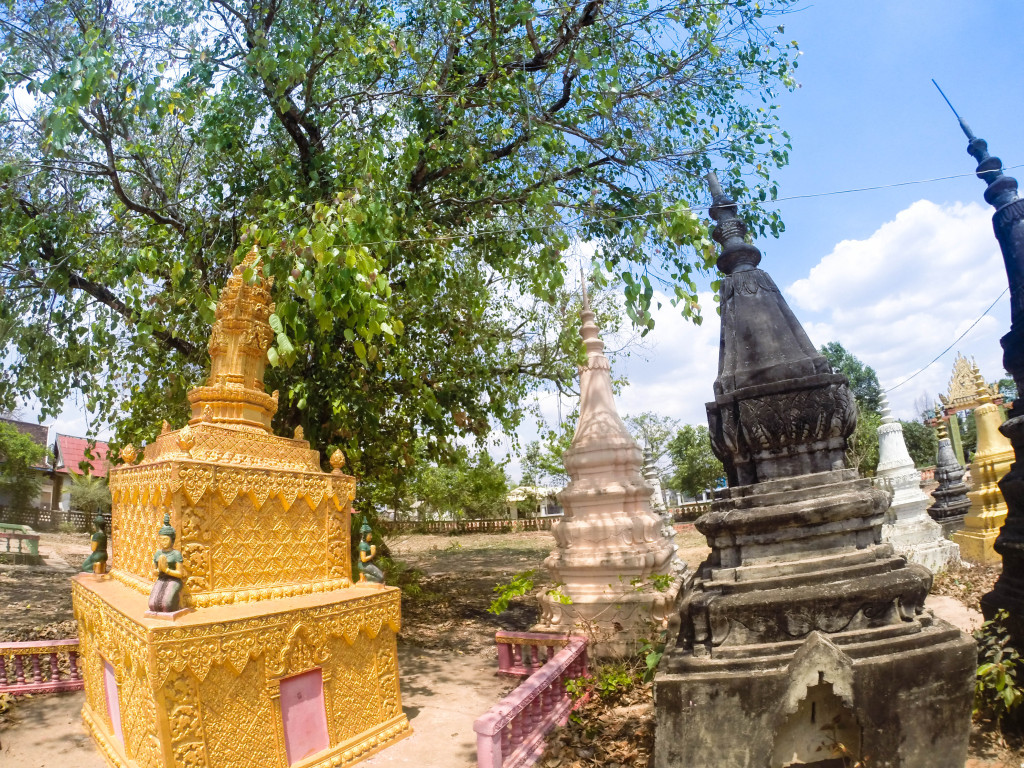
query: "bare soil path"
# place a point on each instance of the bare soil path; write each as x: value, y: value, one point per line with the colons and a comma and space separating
x: 446, y: 654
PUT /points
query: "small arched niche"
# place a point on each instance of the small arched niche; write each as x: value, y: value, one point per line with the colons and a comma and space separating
x: 823, y: 732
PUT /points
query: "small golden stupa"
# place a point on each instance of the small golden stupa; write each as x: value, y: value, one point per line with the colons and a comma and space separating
x: 991, y: 461
x: 275, y: 658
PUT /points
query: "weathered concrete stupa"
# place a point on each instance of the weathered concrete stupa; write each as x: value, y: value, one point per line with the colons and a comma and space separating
x: 951, y: 501
x: 992, y: 460
x: 912, y: 533
x: 659, y: 508
x: 803, y: 631
x: 609, y: 543
x: 275, y: 658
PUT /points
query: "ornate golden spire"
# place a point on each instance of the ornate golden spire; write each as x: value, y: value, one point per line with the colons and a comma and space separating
x: 984, y: 393
x: 233, y: 395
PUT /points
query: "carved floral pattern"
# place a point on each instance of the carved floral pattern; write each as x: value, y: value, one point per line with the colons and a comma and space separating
x: 215, y: 681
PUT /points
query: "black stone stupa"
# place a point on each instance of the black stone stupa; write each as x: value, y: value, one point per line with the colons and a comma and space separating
x: 951, y: 500
x: 1008, y: 223
x: 803, y: 635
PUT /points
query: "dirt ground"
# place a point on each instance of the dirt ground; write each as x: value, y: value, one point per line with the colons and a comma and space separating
x: 35, y: 601
x: 448, y: 583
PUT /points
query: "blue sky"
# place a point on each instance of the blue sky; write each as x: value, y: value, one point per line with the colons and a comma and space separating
x: 894, y: 274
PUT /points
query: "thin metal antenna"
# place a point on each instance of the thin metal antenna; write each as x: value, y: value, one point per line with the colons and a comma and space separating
x: 963, y: 126
x: 943, y: 94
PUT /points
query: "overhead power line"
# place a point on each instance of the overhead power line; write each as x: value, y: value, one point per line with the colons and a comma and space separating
x: 955, y: 342
x: 574, y: 224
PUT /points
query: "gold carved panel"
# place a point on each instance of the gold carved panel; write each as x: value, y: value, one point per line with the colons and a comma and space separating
x: 239, y: 718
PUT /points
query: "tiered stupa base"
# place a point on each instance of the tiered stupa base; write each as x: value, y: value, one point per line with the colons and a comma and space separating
x: 981, y: 527
x: 918, y: 538
x: 918, y: 545
x: 615, y: 623
x: 803, y: 633
x: 978, y: 546
x: 309, y: 680
x: 950, y: 524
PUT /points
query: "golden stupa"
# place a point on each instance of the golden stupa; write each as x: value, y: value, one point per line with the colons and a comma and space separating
x: 275, y: 658
x: 991, y: 461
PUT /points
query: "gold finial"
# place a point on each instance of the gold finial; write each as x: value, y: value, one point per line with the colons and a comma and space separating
x: 299, y: 434
x: 128, y: 454
x: 239, y: 340
x: 165, y: 428
x: 984, y: 393
x: 943, y: 431
x: 185, y: 439
x: 337, y: 460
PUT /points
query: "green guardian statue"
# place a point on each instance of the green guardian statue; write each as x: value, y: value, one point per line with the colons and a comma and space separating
x: 368, y: 572
x: 97, y: 561
x: 168, y: 571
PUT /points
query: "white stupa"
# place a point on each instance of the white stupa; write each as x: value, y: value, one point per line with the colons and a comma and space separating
x: 908, y: 526
x: 609, y: 544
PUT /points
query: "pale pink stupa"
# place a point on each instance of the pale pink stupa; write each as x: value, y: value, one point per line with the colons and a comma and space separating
x: 610, y: 542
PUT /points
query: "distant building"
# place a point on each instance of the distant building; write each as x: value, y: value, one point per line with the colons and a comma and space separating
x: 69, y: 458
x: 533, y: 501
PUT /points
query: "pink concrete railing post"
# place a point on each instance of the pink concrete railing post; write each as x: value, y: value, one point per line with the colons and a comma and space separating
x: 512, y: 733
x: 39, y: 677
x: 520, y: 654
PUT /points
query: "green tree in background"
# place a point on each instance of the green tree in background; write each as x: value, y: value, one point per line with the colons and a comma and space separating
x: 922, y: 443
x: 20, y: 481
x: 695, y: 467
x: 413, y: 173
x: 467, y: 485
x: 90, y: 494
x: 542, y: 461
x: 862, y: 447
x: 863, y: 379
x: 651, y: 430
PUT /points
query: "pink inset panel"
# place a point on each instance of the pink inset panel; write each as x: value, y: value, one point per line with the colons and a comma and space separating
x: 304, y: 715
x: 113, y: 701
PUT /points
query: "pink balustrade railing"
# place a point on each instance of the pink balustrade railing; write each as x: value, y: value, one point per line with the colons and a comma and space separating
x: 520, y: 654
x: 512, y: 733
x: 40, y: 666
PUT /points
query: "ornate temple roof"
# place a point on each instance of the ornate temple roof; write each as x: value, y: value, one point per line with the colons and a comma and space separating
x: 233, y: 395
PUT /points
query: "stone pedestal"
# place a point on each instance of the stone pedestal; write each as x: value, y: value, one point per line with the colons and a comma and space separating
x: 804, y: 638
x: 611, y: 559
x: 907, y: 526
x: 951, y: 501
x: 272, y: 657
x: 991, y: 462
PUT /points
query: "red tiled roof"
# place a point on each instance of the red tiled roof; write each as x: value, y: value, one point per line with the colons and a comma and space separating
x: 37, y: 432
x: 71, y: 452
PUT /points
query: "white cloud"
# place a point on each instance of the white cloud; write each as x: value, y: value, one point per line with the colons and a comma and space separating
x: 899, y: 297
x: 895, y: 300
x: 674, y: 374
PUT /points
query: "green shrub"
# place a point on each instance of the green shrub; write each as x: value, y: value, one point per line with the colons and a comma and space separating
x: 997, y: 692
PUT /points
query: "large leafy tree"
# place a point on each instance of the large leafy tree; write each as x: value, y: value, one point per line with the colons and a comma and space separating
x: 863, y: 379
x: 413, y: 173
x: 695, y: 467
